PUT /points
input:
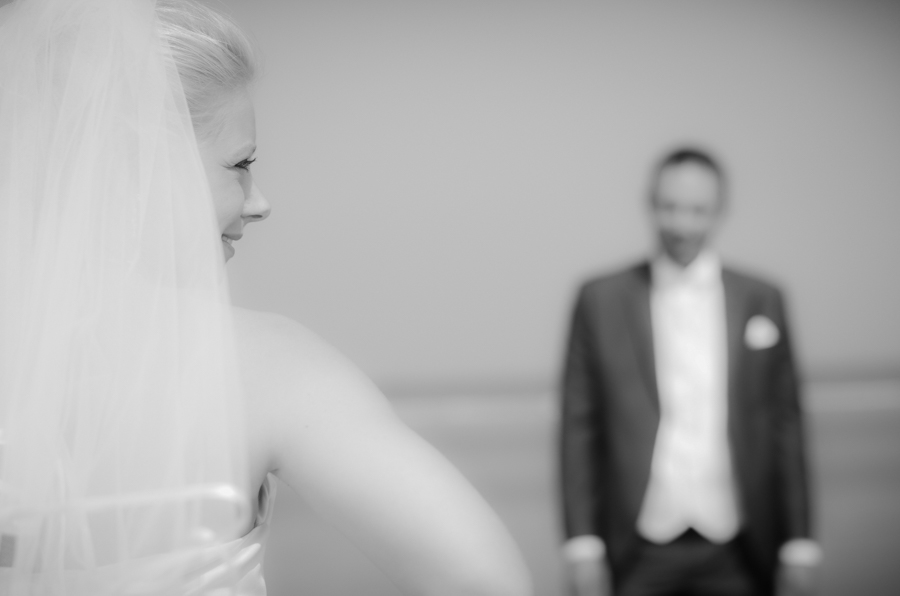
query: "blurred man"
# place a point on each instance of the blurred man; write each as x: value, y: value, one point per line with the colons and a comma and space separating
x: 683, y: 464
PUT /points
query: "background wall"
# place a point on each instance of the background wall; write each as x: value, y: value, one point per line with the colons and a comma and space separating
x: 443, y: 174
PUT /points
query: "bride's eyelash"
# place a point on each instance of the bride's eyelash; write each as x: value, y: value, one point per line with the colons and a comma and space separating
x: 245, y: 164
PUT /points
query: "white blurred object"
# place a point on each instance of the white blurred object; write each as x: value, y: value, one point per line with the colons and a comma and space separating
x: 801, y: 552
x: 584, y: 548
x: 761, y: 333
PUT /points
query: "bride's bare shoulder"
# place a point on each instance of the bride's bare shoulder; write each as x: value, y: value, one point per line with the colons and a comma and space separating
x: 280, y: 358
x: 268, y: 334
x: 298, y: 390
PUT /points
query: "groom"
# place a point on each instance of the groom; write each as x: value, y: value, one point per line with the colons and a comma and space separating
x: 682, y: 450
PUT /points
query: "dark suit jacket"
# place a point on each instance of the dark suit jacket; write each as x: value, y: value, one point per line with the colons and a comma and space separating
x: 610, y: 414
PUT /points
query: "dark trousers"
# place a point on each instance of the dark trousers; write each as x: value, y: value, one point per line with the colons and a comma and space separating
x: 690, y: 565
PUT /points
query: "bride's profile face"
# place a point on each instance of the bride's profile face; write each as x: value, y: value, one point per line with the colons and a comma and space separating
x: 227, y: 156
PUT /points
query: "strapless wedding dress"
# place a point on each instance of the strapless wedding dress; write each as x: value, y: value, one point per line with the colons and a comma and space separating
x: 233, y: 569
x: 244, y: 557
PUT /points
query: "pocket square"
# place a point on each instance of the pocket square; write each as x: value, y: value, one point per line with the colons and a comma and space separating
x: 761, y: 333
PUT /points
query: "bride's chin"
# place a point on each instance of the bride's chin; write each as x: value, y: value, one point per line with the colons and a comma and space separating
x: 228, y: 249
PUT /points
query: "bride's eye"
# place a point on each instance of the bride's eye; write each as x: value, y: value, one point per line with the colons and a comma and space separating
x: 244, y: 164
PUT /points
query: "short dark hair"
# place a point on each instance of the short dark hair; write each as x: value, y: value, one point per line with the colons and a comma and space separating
x: 688, y: 154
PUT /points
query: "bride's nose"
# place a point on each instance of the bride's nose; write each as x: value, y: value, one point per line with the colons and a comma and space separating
x: 256, y: 207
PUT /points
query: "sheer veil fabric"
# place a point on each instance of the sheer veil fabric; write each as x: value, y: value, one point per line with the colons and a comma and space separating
x: 123, y: 454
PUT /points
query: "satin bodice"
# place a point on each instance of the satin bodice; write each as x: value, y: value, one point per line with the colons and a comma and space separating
x: 234, y: 568
x: 243, y: 557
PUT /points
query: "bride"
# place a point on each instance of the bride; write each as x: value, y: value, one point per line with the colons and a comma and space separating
x: 141, y: 415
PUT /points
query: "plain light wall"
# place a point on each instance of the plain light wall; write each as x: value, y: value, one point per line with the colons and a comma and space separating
x: 444, y: 174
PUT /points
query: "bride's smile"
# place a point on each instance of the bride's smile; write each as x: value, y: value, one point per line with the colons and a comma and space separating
x: 227, y: 153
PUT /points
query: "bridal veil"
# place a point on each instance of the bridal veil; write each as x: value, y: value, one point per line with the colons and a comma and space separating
x: 123, y: 457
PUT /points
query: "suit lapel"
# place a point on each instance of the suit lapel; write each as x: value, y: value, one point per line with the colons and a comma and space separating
x: 735, y: 308
x: 736, y: 304
x: 639, y: 309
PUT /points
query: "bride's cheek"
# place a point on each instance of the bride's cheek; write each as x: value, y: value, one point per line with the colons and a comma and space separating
x: 234, y: 206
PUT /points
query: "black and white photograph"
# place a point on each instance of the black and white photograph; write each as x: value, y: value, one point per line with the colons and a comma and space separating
x: 449, y: 298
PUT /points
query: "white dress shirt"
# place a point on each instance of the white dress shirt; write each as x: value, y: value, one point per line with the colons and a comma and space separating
x: 691, y: 481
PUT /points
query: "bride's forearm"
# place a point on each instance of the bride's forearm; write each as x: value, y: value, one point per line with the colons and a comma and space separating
x: 415, y: 515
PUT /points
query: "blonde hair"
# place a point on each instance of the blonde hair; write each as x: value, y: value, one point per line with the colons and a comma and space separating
x: 213, y: 56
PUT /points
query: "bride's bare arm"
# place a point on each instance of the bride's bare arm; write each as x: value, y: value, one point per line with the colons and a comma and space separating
x: 335, y: 439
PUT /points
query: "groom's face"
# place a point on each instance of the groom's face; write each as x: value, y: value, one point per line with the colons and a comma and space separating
x: 685, y: 209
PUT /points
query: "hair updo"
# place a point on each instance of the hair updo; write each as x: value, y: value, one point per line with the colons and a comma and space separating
x: 213, y: 57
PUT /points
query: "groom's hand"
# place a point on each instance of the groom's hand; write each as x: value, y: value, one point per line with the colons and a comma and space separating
x: 585, y: 568
x: 797, y: 580
x: 799, y: 569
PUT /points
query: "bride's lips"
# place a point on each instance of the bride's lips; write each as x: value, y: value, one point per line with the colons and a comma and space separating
x: 227, y: 239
